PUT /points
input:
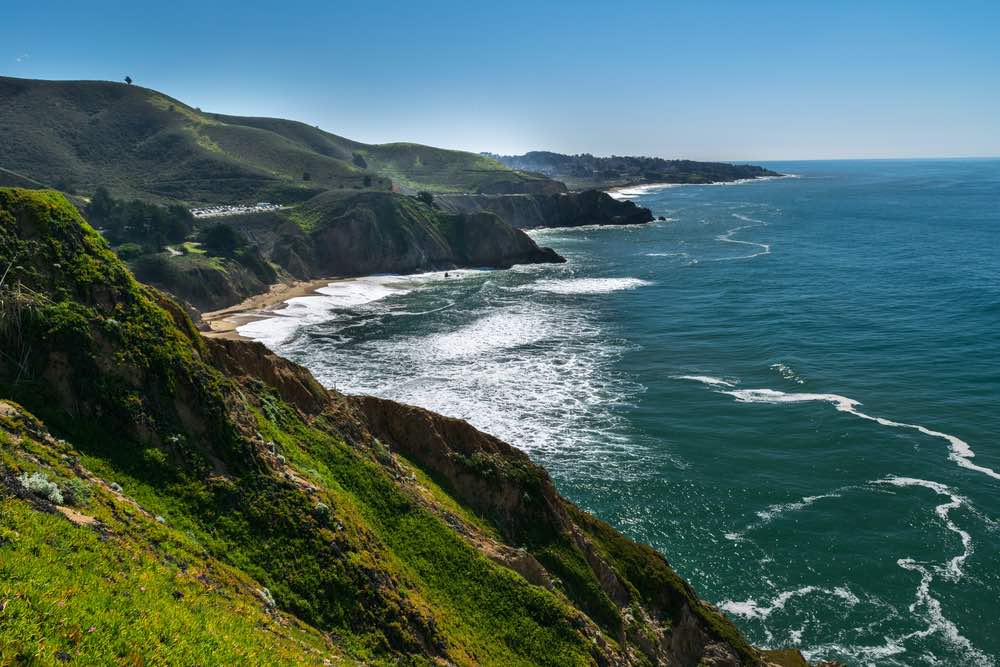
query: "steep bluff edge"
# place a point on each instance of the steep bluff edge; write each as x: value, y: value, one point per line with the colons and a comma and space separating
x: 345, y: 234
x: 562, y: 209
x: 171, y: 498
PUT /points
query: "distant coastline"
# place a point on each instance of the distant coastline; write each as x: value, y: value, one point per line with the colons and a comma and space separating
x: 630, y: 191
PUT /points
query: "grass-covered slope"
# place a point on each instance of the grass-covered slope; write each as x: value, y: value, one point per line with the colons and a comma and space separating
x: 177, y: 500
x: 78, y: 135
x: 588, y: 171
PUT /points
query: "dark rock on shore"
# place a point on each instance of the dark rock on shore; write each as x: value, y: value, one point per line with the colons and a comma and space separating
x: 374, y: 232
x: 568, y: 209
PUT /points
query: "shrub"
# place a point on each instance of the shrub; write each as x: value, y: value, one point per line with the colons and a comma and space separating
x: 129, y: 251
x: 323, y: 514
x: 76, y: 492
x: 222, y: 239
x: 38, y: 483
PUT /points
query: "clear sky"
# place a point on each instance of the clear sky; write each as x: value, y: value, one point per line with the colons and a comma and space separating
x: 703, y: 80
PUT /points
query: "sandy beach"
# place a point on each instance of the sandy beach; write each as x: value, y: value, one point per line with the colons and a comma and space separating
x: 223, y: 323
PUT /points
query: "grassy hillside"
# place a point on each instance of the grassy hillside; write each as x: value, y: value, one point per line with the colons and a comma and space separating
x: 78, y: 135
x: 586, y: 171
x: 205, y: 502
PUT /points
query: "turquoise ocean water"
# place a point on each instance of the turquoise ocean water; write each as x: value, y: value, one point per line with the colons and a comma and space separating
x: 789, y: 387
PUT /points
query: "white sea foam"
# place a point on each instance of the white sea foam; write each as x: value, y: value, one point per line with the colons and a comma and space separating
x: 584, y: 285
x: 774, y: 511
x: 639, y: 190
x: 925, y: 606
x: 769, y: 514
x: 786, y: 372
x: 959, y: 451
x: 634, y: 191
x: 752, y: 609
x: 321, y: 307
x: 498, y: 331
x: 705, y: 379
x: 952, y: 570
x: 280, y: 325
x: 765, y: 248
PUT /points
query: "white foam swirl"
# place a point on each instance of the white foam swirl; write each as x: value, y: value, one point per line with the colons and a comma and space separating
x: 938, y: 623
x: 752, y: 609
x: 584, y: 285
x: 765, y: 248
x: 953, y: 569
x: 959, y: 451
x: 706, y: 379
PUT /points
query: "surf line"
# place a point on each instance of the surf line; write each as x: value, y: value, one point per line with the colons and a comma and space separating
x: 959, y: 451
x: 765, y: 248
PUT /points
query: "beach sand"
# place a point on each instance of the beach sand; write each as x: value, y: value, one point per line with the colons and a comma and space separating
x: 223, y: 323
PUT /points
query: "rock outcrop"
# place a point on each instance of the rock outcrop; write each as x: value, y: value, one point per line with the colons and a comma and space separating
x: 567, y: 209
x: 376, y: 232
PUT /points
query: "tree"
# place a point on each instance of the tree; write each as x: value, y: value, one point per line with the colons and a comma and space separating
x: 306, y: 176
x: 426, y: 197
x: 100, y: 207
x: 222, y: 239
x: 128, y: 80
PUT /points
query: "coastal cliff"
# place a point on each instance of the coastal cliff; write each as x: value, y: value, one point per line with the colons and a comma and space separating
x: 340, y: 234
x: 171, y: 498
x: 576, y: 209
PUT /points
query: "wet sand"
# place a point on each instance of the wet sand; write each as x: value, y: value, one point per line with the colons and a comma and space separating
x: 223, y: 323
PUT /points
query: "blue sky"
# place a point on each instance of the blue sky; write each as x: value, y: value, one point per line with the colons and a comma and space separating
x: 703, y: 80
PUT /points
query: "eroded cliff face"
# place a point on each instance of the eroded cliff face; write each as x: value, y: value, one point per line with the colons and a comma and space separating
x: 388, y: 233
x: 359, y: 233
x: 567, y: 209
x: 341, y: 528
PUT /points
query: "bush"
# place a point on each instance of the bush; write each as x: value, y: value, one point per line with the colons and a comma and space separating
x: 323, y: 514
x: 129, y: 251
x: 76, y: 492
x: 38, y: 483
x: 222, y: 240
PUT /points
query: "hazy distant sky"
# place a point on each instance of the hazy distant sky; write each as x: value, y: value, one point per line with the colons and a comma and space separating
x: 704, y: 80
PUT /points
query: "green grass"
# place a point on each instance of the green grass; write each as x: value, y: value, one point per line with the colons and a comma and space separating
x: 142, y: 144
x: 125, y: 590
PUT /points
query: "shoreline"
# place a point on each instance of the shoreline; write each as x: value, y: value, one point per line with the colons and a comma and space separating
x: 223, y: 323
x: 631, y: 191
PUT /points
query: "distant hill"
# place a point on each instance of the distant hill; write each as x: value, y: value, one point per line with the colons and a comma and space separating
x: 137, y: 142
x: 587, y: 171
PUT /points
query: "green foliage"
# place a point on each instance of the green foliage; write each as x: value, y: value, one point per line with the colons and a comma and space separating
x: 129, y: 251
x: 587, y: 171
x: 77, y: 492
x: 221, y: 239
x: 38, y: 483
x: 142, y: 144
x: 71, y: 595
x: 138, y: 223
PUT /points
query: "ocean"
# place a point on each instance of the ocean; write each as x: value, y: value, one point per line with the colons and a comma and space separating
x: 791, y: 388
